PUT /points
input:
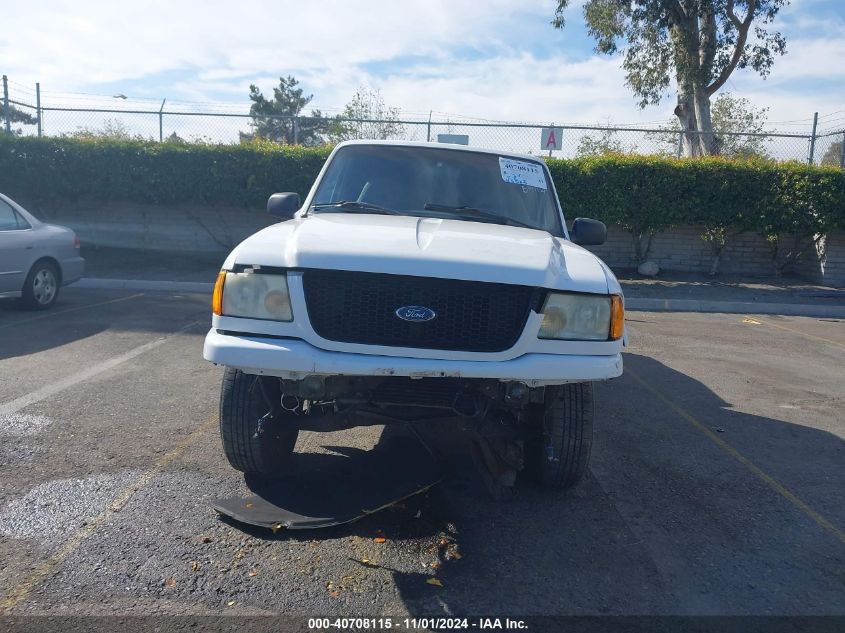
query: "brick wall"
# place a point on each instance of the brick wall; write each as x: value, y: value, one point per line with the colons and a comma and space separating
x: 826, y: 263
x: 183, y: 227
x: 682, y: 249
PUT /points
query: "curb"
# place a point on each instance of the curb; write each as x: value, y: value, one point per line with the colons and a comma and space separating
x: 735, y: 307
x: 632, y: 303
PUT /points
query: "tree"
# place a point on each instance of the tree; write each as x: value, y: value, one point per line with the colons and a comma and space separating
x: 700, y: 42
x: 739, y: 128
x: 16, y: 115
x: 606, y: 143
x: 280, y: 119
x: 733, y: 119
x: 114, y: 129
x: 366, y: 116
x: 833, y: 154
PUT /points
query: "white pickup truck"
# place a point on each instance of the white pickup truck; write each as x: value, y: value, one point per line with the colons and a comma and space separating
x: 416, y: 282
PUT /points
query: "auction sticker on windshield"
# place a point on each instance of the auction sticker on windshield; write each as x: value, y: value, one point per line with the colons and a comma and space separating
x: 520, y: 172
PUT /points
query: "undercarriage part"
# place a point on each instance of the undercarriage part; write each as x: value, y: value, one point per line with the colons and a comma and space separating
x: 516, y: 393
x: 485, y: 407
x: 329, y: 489
x: 312, y: 387
x: 498, y: 460
x: 499, y: 423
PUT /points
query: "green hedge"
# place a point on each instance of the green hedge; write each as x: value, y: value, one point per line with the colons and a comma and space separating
x: 62, y: 169
x: 644, y: 194
x: 648, y: 194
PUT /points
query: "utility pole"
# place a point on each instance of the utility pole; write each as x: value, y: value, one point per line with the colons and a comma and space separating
x: 161, y: 122
x: 813, y: 139
x: 428, y: 131
x: 38, y: 106
x: 7, y: 117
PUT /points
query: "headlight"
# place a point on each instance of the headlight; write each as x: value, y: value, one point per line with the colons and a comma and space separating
x: 577, y: 317
x: 252, y: 295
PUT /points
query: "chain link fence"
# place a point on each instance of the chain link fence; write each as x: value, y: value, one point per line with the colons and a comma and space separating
x: 30, y: 112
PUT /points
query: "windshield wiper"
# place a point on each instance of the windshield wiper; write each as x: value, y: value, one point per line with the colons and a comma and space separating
x: 480, y: 214
x: 355, y: 205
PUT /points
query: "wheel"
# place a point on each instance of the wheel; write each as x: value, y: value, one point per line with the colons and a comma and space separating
x: 258, y: 434
x: 558, y: 458
x: 41, y: 288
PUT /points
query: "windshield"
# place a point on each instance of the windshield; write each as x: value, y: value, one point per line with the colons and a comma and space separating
x: 439, y: 183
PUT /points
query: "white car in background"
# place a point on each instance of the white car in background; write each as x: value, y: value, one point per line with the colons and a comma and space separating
x: 36, y: 259
x: 419, y: 282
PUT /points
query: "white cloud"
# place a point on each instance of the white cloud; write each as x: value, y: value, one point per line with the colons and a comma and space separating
x: 215, y: 49
x: 68, y: 43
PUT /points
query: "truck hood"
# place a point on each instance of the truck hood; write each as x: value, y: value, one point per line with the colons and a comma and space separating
x: 425, y: 247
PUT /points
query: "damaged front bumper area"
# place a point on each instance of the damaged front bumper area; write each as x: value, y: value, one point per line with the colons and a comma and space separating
x: 295, y: 359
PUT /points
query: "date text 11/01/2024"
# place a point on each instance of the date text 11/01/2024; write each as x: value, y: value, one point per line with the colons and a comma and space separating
x: 416, y: 623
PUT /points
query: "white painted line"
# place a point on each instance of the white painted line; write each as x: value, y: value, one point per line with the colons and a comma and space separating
x: 45, y: 392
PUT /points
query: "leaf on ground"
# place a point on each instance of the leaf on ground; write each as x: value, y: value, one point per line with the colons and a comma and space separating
x: 380, y: 539
x: 231, y: 603
x: 253, y: 573
x: 434, y: 581
x: 206, y: 539
x: 170, y: 583
x: 276, y: 527
x: 195, y: 566
x: 436, y: 565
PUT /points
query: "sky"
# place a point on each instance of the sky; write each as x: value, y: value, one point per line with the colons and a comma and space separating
x: 496, y: 59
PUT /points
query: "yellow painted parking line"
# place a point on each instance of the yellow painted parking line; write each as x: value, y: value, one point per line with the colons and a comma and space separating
x: 46, y: 569
x: 767, y: 479
x: 794, y: 331
x: 52, y: 313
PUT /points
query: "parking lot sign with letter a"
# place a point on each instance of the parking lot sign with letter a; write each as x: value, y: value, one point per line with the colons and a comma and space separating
x: 552, y: 138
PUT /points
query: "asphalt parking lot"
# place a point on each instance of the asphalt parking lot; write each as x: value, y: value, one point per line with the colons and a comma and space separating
x: 716, y: 484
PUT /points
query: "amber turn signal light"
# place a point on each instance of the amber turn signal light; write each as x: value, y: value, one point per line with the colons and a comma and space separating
x: 217, y: 297
x: 617, y: 318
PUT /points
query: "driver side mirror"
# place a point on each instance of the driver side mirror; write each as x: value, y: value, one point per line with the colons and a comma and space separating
x: 588, y: 232
x: 283, y: 205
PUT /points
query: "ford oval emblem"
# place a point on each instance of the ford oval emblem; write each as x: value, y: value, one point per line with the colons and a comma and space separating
x: 415, y: 314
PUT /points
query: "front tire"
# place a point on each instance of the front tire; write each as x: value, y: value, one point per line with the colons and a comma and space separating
x: 559, y: 457
x: 41, y: 288
x: 258, y: 435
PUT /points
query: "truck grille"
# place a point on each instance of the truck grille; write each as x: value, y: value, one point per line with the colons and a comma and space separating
x: 354, y: 307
